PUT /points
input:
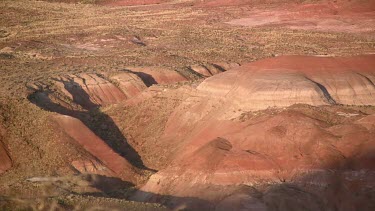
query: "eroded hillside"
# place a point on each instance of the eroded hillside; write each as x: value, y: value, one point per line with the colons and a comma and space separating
x: 218, y: 105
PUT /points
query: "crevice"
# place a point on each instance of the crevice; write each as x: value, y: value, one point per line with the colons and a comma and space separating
x: 324, y: 90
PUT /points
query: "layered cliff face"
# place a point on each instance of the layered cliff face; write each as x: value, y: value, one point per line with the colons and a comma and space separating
x: 288, y: 80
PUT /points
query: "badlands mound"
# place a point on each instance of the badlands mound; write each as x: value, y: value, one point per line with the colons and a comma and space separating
x: 252, y: 125
x: 232, y: 141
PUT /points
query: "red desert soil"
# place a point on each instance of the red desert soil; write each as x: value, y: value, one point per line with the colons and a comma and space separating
x: 221, y: 3
x: 341, y: 16
x: 132, y: 2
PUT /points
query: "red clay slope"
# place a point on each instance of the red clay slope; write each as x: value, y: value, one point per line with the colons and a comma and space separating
x: 290, y: 146
x: 114, y: 163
